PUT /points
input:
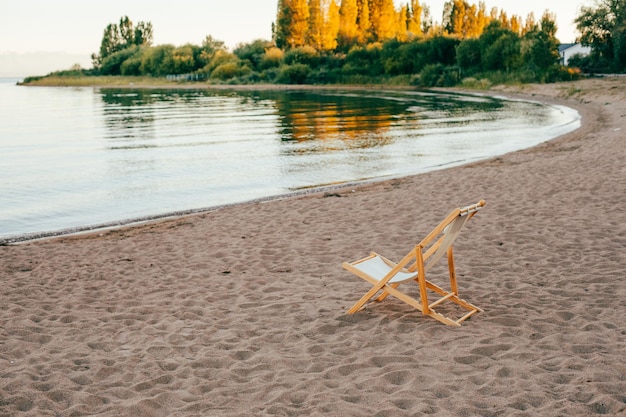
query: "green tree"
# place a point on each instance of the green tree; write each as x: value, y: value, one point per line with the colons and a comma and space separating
x: 468, y: 56
x: 542, y: 46
x: 603, y: 28
x: 112, y: 64
x: 504, y: 54
x: 153, y: 59
x: 117, y: 37
x: 252, y: 53
x: 181, y: 60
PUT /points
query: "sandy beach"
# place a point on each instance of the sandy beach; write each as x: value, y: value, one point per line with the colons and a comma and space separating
x: 240, y: 311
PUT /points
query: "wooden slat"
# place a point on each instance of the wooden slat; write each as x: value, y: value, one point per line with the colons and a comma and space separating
x: 467, y: 316
x: 441, y: 300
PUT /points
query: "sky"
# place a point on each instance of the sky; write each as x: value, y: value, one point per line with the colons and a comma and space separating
x: 40, y: 36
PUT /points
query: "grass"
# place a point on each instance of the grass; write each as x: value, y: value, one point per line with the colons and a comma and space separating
x: 108, y: 81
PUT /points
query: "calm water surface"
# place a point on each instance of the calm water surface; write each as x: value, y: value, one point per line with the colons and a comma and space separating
x: 75, y: 158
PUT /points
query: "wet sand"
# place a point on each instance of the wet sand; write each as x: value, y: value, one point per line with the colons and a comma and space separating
x: 240, y: 311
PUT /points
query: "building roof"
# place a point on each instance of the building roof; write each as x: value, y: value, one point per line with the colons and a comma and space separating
x: 564, y: 46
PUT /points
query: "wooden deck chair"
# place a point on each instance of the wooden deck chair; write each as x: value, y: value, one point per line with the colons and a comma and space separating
x: 386, y: 275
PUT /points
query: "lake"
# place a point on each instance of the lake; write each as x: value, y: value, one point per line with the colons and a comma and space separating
x: 74, y: 159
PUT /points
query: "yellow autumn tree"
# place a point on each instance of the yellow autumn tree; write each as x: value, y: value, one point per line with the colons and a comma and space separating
x: 316, y: 25
x: 516, y: 24
x: 414, y: 25
x: 292, y: 23
x: 348, y: 29
x: 383, y: 19
x: 530, y: 24
x: 363, y: 20
x: 331, y: 25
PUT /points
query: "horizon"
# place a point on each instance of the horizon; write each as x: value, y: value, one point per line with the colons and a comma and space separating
x: 31, y: 44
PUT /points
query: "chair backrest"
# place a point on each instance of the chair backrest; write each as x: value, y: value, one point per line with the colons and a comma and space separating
x: 447, y: 231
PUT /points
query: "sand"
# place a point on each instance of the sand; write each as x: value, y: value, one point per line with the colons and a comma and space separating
x: 240, y: 311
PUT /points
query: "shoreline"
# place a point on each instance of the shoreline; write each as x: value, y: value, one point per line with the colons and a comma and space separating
x: 131, y: 221
x: 241, y: 311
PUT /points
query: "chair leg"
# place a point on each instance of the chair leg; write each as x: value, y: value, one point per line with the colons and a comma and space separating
x: 453, y: 285
x: 421, y: 279
x: 368, y: 295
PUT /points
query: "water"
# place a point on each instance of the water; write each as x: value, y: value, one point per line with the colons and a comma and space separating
x: 76, y: 158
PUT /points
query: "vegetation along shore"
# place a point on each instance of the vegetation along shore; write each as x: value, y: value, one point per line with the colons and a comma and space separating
x: 357, y: 42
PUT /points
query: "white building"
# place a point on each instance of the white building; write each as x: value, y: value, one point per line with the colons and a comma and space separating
x: 567, y: 50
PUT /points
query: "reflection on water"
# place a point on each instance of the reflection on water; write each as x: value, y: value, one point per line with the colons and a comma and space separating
x: 84, y: 156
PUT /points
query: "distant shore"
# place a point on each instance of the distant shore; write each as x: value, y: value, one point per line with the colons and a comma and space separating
x: 159, y: 82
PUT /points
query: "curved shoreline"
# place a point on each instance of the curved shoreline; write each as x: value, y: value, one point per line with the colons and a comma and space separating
x: 241, y: 311
x: 131, y: 221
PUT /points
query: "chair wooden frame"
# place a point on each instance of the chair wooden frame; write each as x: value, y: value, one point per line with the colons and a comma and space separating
x: 386, y: 275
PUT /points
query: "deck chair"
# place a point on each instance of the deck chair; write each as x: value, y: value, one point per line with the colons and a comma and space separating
x: 386, y: 275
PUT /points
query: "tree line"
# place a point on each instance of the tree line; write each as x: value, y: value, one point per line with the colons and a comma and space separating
x: 370, y: 41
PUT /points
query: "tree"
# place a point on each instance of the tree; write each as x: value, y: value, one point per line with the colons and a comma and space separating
x: 363, y: 20
x: 119, y: 37
x: 542, y: 46
x: 603, y: 28
x: 331, y: 25
x: 253, y: 53
x: 153, y: 59
x: 468, y: 56
x: 348, y: 31
x: 414, y: 25
x: 464, y: 20
x: 316, y: 24
x: 292, y: 23
x: 383, y: 19
x: 500, y: 48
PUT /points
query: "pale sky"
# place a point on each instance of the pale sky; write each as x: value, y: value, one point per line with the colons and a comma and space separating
x: 71, y: 30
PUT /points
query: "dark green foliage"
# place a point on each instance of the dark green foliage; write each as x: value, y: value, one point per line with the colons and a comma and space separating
x: 498, y: 54
x: 154, y: 60
x: 132, y: 65
x: 603, y: 27
x: 118, y: 37
x: 253, y: 53
x: 442, y: 49
x: 364, y: 61
x: 304, y: 55
x: 439, y: 75
x: 293, y: 74
x: 112, y: 64
x: 230, y: 70
x: 503, y: 54
x: 468, y: 56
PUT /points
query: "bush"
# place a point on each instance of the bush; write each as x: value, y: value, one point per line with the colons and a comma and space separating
x: 323, y: 76
x: 468, y: 55
x: 272, y: 59
x: 253, y: 52
x: 153, y: 59
x: 218, y: 59
x: 112, y: 64
x: 431, y: 76
x: 229, y: 70
x: 306, y: 55
x: 293, y: 74
x: 364, y: 61
x: 438, y: 75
